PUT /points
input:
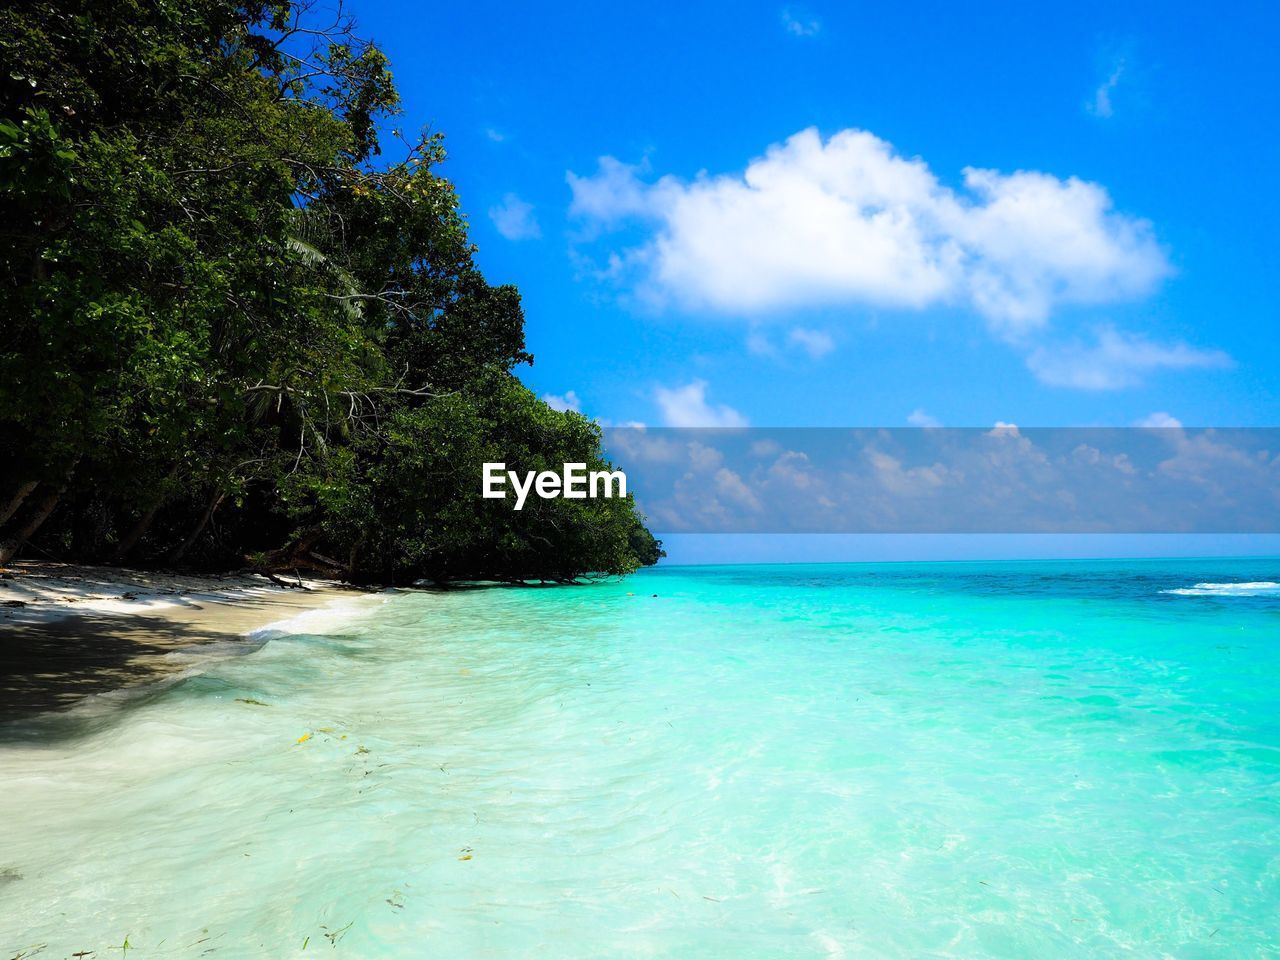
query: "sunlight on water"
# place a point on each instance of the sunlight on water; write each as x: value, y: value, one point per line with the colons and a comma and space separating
x: 900, y: 761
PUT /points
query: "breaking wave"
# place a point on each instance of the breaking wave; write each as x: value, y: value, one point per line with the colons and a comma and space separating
x: 1258, y: 588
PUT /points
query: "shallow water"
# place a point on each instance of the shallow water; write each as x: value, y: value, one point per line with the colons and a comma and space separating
x: 1009, y: 760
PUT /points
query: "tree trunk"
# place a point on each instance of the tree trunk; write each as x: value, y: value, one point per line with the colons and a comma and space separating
x: 41, y: 513
x: 139, y: 530
x: 125, y: 546
x: 45, y: 507
x: 286, y: 557
x: 180, y: 551
x: 19, y: 495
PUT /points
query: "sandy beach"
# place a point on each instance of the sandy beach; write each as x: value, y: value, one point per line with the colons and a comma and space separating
x: 70, y: 631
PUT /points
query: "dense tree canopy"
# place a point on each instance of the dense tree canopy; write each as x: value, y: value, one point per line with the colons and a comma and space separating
x: 230, y: 328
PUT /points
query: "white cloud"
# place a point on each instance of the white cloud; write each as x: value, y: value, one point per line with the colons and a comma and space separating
x: 731, y: 487
x: 612, y: 194
x: 1159, y: 419
x: 569, y: 401
x: 514, y: 219
x: 850, y: 221
x: 497, y: 136
x: 1116, y: 359
x: 890, y: 474
x: 920, y: 418
x: 1004, y: 479
x: 1100, y: 105
x: 703, y: 457
x: 759, y: 344
x: 687, y: 407
x: 816, y: 343
x: 799, y: 22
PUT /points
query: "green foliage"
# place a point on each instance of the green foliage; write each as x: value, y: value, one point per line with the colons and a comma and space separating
x: 415, y: 498
x: 228, y: 329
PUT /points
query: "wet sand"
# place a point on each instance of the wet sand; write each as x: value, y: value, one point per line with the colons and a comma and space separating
x: 72, y: 634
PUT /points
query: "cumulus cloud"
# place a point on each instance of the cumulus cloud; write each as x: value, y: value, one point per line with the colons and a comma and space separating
x: 569, y: 400
x: 816, y: 343
x: 687, y: 406
x: 849, y: 221
x: 799, y: 22
x: 731, y: 487
x: 890, y: 474
x: 1115, y: 359
x: 1159, y: 419
x: 514, y: 219
x: 614, y: 193
x: 919, y: 417
x: 1100, y: 105
x: 1004, y: 479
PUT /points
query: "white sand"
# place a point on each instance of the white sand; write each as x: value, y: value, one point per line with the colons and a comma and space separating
x: 67, y: 632
x: 41, y: 592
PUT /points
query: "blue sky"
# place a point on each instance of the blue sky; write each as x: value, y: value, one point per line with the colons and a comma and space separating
x: 1110, y: 259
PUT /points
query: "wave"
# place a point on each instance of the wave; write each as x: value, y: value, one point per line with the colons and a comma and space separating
x: 1257, y: 588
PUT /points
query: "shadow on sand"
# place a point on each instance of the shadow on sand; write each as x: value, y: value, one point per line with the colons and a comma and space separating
x: 50, y: 666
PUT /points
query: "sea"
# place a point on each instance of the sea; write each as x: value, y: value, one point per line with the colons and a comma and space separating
x: 1068, y: 759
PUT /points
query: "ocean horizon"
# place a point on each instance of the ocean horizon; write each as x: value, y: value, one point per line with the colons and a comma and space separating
x: 1013, y: 759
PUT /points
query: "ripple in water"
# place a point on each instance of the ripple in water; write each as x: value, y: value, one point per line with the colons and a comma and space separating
x: 983, y: 760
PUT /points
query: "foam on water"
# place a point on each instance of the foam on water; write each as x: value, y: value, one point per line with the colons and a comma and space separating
x: 959, y: 760
x: 1260, y: 587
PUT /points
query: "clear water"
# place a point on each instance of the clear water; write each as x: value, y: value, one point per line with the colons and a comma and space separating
x: 1016, y: 760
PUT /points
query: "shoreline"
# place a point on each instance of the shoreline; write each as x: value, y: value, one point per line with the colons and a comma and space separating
x: 69, y: 632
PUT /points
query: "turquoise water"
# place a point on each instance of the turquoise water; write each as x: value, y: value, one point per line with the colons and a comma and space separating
x: 1014, y: 760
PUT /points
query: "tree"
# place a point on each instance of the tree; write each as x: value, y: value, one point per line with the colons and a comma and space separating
x: 230, y: 328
